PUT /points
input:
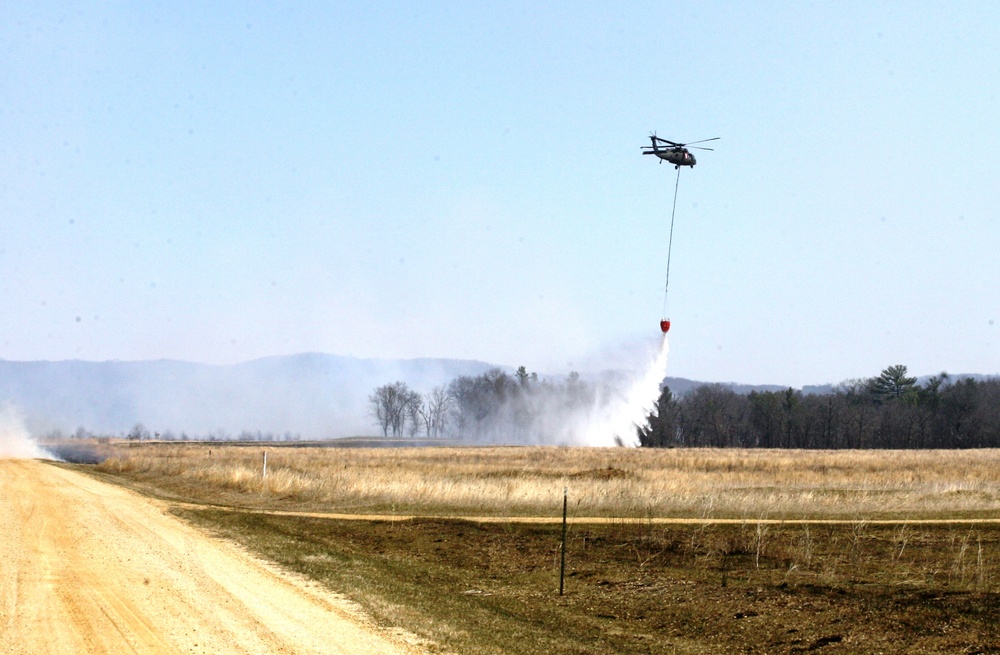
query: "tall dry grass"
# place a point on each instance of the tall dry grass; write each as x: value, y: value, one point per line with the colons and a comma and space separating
x: 711, y: 483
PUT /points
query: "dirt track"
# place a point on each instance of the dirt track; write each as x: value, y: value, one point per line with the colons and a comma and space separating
x: 86, y: 567
x: 596, y: 520
x: 591, y: 520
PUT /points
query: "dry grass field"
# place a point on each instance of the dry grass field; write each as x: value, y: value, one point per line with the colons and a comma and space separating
x: 846, y: 583
x: 618, y: 482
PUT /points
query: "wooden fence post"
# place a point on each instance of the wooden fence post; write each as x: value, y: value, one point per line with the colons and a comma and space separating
x: 562, y: 557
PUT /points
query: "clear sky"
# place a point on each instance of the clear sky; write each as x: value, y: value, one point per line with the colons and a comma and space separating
x: 222, y: 181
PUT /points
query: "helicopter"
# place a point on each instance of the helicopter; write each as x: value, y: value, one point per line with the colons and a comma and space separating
x: 675, y: 153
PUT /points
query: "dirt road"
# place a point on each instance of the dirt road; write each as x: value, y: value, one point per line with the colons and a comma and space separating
x: 86, y: 567
x: 589, y: 520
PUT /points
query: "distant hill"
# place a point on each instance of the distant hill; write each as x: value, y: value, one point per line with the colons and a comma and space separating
x: 681, y: 386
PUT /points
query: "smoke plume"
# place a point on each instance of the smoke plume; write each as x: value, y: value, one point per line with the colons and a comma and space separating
x: 15, y: 440
x: 593, y: 410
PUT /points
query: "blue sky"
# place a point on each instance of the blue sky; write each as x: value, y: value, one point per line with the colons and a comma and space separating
x: 222, y: 181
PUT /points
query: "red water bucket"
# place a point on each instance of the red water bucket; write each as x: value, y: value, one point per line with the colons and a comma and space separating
x: 665, y: 325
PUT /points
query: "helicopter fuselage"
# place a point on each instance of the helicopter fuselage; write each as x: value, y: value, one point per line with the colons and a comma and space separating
x: 675, y: 156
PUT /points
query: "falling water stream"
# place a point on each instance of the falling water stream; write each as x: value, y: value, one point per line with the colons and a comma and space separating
x: 621, y: 420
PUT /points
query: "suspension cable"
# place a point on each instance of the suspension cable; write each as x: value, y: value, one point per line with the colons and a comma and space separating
x: 670, y: 243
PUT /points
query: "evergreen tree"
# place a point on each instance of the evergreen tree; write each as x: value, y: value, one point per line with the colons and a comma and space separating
x: 892, y: 383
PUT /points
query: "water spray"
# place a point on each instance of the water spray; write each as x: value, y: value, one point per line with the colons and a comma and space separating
x: 619, y: 425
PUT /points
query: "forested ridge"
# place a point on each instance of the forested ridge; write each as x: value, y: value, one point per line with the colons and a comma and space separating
x: 887, y: 411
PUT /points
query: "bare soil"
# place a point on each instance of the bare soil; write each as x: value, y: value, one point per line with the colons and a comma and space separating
x: 88, y: 567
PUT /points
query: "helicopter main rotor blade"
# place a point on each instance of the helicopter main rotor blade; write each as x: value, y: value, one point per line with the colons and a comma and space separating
x: 703, y: 148
x: 714, y: 138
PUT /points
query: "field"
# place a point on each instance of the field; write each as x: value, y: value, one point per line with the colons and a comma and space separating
x: 778, y: 551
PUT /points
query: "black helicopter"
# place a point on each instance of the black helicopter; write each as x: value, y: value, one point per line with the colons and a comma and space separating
x: 675, y: 153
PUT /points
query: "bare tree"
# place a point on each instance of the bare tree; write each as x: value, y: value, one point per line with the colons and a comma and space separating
x: 716, y: 416
x: 388, y: 406
x: 414, y: 410
x: 138, y: 432
x: 431, y: 412
x: 438, y: 404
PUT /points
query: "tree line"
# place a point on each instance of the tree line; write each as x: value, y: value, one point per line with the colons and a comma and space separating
x: 887, y: 411
x: 139, y: 432
x: 492, y: 407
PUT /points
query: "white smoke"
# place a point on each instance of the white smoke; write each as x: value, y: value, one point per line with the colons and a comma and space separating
x: 15, y: 440
x: 616, y: 421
